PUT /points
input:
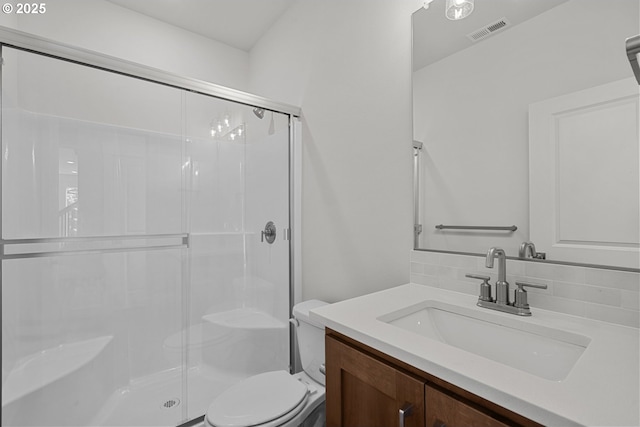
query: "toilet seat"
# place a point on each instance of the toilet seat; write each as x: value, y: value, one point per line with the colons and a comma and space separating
x: 266, y: 400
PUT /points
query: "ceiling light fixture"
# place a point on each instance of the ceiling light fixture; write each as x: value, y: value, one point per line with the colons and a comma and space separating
x: 458, y: 9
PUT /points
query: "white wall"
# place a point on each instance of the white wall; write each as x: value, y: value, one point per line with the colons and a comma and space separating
x: 348, y: 65
x: 110, y: 29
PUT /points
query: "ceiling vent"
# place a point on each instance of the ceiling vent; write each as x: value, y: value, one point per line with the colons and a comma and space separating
x: 489, y: 30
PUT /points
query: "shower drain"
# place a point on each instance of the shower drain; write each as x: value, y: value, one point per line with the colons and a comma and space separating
x: 170, y: 403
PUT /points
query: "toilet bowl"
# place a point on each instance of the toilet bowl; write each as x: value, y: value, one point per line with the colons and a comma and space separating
x: 277, y: 398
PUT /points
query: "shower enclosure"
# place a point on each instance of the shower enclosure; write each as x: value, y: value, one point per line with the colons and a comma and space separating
x: 139, y: 277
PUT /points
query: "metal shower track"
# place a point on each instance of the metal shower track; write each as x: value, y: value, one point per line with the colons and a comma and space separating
x: 39, y: 45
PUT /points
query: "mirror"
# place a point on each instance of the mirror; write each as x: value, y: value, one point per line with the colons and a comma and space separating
x: 527, y: 111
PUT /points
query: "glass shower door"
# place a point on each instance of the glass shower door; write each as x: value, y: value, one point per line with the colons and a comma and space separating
x: 239, y: 275
x: 145, y: 246
x: 94, y: 252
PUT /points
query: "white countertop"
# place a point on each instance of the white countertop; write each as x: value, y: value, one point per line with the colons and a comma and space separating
x: 602, y: 389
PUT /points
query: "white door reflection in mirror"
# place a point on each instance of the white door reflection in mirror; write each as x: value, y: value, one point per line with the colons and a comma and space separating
x: 584, y: 183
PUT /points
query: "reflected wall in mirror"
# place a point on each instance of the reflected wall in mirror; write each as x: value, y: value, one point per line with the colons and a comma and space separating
x: 528, y: 114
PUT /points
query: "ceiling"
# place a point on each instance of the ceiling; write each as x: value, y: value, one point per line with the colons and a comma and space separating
x: 435, y: 37
x: 237, y: 23
x: 241, y: 23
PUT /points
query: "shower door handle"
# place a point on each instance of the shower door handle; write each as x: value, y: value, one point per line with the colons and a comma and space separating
x: 269, y: 233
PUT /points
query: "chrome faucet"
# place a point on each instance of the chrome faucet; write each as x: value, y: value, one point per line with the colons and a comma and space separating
x: 502, y: 286
x: 528, y: 248
x: 520, y: 306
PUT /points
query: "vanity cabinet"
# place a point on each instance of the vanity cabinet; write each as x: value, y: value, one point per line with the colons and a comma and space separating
x: 368, y: 388
x: 365, y: 391
x: 449, y: 410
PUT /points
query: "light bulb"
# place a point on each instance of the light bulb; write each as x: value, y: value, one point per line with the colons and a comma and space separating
x: 458, y: 9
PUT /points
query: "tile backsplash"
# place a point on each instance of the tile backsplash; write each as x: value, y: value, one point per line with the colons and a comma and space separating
x: 595, y: 293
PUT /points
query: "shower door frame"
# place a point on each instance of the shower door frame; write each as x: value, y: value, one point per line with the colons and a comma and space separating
x: 38, y: 45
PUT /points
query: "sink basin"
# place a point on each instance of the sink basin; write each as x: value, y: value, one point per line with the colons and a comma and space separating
x: 539, y: 350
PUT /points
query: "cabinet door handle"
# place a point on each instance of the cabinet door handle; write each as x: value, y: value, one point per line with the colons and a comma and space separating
x: 405, y: 411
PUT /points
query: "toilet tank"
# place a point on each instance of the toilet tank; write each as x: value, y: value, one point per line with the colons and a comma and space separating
x: 310, y: 337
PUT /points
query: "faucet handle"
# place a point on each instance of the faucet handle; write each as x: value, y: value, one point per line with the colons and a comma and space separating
x: 521, y: 294
x: 485, y: 287
x: 521, y: 285
x: 478, y: 276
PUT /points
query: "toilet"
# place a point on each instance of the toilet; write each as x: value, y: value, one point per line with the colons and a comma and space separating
x: 278, y: 398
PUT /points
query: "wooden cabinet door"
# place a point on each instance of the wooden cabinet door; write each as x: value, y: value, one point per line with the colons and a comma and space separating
x: 365, y: 392
x: 443, y: 410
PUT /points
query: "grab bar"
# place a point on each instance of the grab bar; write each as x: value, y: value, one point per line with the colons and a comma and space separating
x: 633, y: 49
x: 476, y: 227
x: 417, y: 227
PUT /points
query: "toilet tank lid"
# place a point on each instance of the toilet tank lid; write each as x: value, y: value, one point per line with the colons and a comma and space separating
x: 301, y: 310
